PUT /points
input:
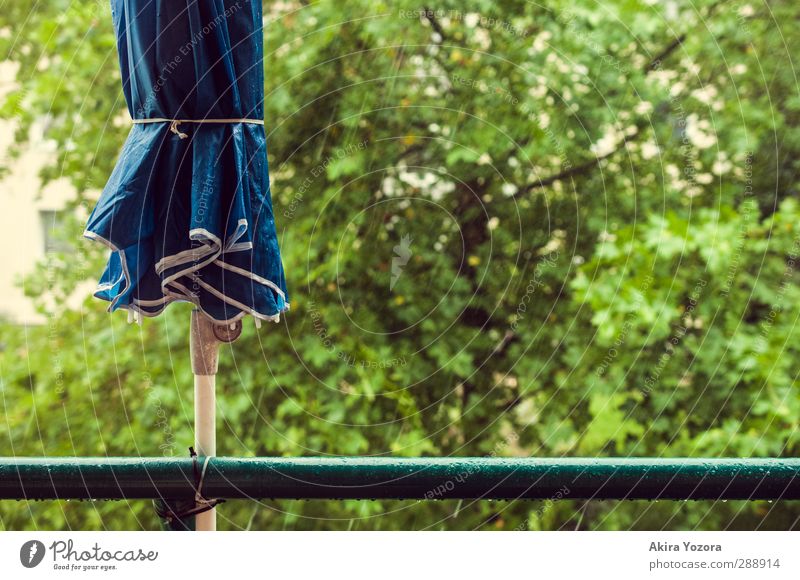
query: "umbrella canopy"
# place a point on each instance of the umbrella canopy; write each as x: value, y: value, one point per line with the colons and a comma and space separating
x: 187, y: 210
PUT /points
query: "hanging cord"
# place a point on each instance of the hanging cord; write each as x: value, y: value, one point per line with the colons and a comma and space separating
x: 173, y: 123
x: 201, y: 503
x: 174, y: 128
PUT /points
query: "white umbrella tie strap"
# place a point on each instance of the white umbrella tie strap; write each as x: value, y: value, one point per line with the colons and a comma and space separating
x: 203, y: 502
x: 173, y: 123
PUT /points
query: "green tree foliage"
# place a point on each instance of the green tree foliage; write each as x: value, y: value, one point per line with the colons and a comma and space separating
x: 509, y: 228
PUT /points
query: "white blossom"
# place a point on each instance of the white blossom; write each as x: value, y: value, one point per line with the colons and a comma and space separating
x: 540, y: 42
x: 471, y: 19
x: 704, y: 178
x: 440, y: 189
x: 739, y: 69
x: 389, y: 186
x: 696, y: 132
x: 508, y: 189
x: 721, y: 167
x: 746, y: 11
x: 538, y: 91
x: 650, y: 150
x: 608, y: 142
x: 706, y: 94
x: 643, y: 108
x: 544, y: 120
x: 482, y: 38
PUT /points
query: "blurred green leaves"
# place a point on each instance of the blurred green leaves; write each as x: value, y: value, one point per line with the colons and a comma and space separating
x: 602, y: 210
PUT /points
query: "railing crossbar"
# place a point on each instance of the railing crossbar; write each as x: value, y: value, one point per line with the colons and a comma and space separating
x: 400, y: 478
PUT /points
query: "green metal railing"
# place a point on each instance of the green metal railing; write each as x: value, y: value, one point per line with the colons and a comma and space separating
x: 173, y: 481
x: 400, y: 478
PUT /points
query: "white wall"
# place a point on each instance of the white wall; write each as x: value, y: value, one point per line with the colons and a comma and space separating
x: 22, y: 198
x: 22, y: 230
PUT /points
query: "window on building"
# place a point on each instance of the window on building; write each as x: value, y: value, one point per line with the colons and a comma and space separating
x: 53, y: 231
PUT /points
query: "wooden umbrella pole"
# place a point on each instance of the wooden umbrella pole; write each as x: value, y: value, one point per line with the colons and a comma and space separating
x: 205, y: 338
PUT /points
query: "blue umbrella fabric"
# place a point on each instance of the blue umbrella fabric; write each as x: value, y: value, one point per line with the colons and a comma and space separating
x: 187, y: 211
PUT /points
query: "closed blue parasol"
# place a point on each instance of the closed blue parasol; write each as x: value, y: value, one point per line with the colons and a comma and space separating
x: 187, y: 210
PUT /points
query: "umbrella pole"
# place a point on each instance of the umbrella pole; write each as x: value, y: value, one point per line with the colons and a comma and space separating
x: 205, y: 338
